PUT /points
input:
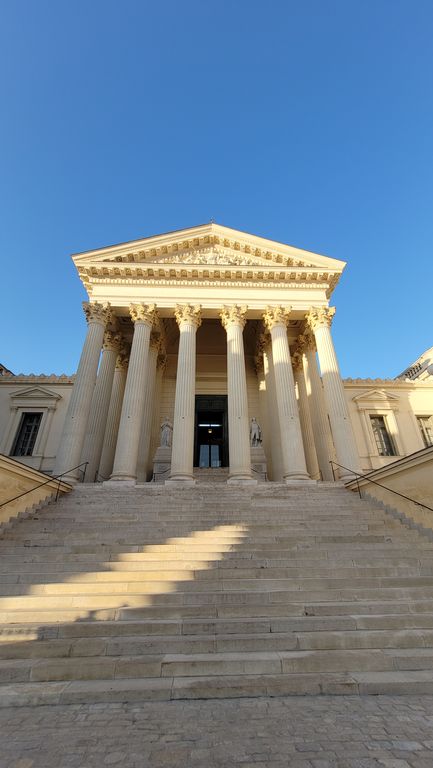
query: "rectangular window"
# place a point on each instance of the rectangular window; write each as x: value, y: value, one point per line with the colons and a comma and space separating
x: 382, y: 437
x: 26, y: 435
x: 426, y: 427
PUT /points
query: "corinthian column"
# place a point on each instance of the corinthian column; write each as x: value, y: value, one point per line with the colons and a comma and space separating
x: 305, y: 418
x: 100, y: 404
x: 294, y: 466
x: 188, y: 319
x: 319, y: 319
x: 233, y: 320
x: 125, y: 460
x: 113, y: 417
x: 317, y: 407
x: 74, y: 429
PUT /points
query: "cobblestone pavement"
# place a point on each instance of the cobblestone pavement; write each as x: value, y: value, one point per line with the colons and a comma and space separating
x: 300, y: 732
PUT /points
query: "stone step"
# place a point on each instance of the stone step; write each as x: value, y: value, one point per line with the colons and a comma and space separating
x: 197, y: 571
x: 230, y: 686
x: 136, y: 645
x: 235, y: 591
x: 206, y: 664
x: 182, y: 581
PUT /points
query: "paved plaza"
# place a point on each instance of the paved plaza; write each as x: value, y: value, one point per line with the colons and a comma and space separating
x: 300, y: 732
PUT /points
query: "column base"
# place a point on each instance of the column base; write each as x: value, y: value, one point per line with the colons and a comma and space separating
x: 180, y: 481
x: 347, y: 477
x: 299, y: 480
x: 115, y: 479
x: 71, y: 479
x: 241, y: 480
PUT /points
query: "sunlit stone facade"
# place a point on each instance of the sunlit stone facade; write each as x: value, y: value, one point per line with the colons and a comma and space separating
x: 225, y: 339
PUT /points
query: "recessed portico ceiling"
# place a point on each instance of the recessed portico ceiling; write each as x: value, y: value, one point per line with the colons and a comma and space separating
x: 208, y: 251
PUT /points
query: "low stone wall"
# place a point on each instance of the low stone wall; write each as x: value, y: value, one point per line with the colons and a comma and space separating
x: 411, y: 476
x: 16, y: 478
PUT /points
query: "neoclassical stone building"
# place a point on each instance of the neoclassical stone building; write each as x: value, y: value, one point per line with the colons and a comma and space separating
x: 210, y: 350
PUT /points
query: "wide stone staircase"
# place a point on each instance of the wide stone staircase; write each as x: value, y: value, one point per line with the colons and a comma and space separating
x: 127, y: 594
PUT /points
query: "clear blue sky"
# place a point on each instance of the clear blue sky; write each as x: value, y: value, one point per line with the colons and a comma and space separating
x: 309, y: 122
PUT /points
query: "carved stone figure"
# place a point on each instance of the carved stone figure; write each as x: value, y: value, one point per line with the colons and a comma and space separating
x: 255, y: 433
x: 166, y: 433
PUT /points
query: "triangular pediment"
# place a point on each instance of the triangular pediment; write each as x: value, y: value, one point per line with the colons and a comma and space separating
x: 35, y: 393
x: 208, y: 244
x: 375, y: 395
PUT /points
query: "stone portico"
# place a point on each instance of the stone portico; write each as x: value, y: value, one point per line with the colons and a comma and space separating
x: 207, y: 329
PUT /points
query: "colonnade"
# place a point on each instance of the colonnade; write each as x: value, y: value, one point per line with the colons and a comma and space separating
x: 110, y: 414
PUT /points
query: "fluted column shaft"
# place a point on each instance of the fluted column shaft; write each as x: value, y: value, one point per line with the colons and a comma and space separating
x: 305, y: 419
x: 113, y: 418
x: 100, y: 403
x: 74, y: 429
x: 182, y: 454
x: 319, y: 415
x: 320, y: 320
x: 294, y: 465
x: 233, y: 320
x: 146, y: 429
x: 125, y: 460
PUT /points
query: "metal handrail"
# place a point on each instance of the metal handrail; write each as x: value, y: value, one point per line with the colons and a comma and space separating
x: 367, y: 477
x: 50, y: 480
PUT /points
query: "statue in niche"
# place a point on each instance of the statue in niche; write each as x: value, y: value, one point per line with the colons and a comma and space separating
x: 255, y: 433
x: 166, y: 433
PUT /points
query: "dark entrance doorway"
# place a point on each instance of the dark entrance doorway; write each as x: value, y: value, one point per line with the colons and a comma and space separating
x: 211, y: 433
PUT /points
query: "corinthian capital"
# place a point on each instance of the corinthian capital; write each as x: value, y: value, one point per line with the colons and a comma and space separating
x: 234, y: 315
x: 143, y: 313
x: 297, y: 362
x: 186, y: 313
x: 306, y: 341
x: 320, y: 316
x: 122, y: 361
x: 112, y: 341
x: 97, y: 313
x: 276, y: 316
